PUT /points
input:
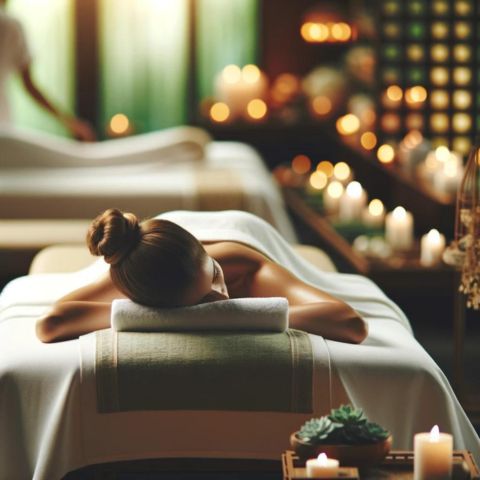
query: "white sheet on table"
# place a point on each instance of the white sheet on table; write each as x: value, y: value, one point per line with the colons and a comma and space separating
x: 144, y: 187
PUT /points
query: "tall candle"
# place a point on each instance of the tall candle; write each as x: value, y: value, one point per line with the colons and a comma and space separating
x: 432, y: 246
x: 433, y: 454
x: 322, y: 467
x: 352, y: 202
x: 374, y: 215
x: 331, y: 197
x: 448, y: 177
x: 399, y: 229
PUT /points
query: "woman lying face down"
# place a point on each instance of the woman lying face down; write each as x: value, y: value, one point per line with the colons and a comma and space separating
x: 159, y: 264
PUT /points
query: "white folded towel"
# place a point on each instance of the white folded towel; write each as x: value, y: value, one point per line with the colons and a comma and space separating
x: 256, y: 314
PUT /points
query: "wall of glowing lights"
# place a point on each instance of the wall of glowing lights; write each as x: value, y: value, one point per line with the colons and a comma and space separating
x: 429, y: 70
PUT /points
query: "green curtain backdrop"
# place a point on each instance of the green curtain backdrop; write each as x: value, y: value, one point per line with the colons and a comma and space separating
x: 143, y: 61
x: 48, y: 25
x: 226, y: 33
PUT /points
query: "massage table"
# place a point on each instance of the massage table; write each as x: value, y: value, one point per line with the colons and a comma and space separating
x: 49, y: 423
x: 47, y: 177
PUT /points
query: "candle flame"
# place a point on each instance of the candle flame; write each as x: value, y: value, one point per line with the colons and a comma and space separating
x: 322, y: 459
x: 335, y: 189
x: 399, y: 213
x: 318, y: 180
x: 354, y: 190
x: 375, y: 207
x: 232, y: 73
x: 301, y: 164
x: 434, y: 236
x: 442, y: 153
x: 257, y: 108
x: 251, y: 73
x: 119, y: 123
x: 341, y: 171
x: 394, y: 93
x: 219, y: 112
x: 435, y: 434
x: 368, y: 140
x: 326, y: 167
x: 385, y: 153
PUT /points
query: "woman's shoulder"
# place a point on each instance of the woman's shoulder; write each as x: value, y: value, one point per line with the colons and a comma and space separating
x: 228, y: 250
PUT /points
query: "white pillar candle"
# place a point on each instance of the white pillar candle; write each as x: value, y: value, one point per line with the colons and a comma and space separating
x: 352, y: 202
x: 374, y: 214
x: 331, y: 197
x: 434, y: 161
x: 399, y: 229
x: 433, y: 454
x: 432, y: 245
x: 322, y: 467
x: 447, y: 178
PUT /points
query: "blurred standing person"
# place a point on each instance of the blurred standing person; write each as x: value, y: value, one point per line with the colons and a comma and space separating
x: 15, y: 58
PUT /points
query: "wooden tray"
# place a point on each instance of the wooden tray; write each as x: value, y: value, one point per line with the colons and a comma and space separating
x: 397, y: 465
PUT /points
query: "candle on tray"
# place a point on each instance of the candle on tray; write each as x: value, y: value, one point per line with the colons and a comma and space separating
x: 322, y: 467
x: 352, y: 202
x: 433, y: 453
x: 374, y: 214
x: 399, y: 229
x: 432, y: 245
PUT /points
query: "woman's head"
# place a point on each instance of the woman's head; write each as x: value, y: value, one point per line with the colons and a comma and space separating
x: 155, y: 263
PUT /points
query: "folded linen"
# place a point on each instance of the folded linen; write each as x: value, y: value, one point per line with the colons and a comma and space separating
x: 239, y: 314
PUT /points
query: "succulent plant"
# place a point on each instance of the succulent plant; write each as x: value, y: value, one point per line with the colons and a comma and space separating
x: 347, y: 415
x: 317, y: 430
x: 344, y: 425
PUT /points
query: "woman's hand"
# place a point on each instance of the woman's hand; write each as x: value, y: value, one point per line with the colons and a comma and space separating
x: 334, y: 320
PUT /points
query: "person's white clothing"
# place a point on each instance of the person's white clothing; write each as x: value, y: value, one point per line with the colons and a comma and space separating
x: 14, y: 55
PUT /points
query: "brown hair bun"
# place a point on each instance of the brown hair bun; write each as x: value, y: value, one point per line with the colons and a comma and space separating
x: 113, y: 235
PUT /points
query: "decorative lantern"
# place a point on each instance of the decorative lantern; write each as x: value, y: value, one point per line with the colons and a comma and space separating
x: 464, y: 251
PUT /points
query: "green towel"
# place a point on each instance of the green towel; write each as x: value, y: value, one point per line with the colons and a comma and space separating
x: 241, y: 371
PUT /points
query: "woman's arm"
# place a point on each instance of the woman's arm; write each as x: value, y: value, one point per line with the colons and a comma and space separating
x: 71, y: 319
x: 311, y: 309
x: 81, y: 311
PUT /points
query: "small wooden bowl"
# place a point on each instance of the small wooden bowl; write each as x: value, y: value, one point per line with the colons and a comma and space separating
x: 360, y: 456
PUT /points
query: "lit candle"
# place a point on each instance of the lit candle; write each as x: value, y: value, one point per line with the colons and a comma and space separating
x: 432, y: 245
x: 342, y: 172
x: 374, y: 215
x: 434, y: 162
x: 399, y: 229
x: 331, y: 197
x: 447, y: 178
x: 322, y: 467
x: 433, y: 454
x: 352, y: 202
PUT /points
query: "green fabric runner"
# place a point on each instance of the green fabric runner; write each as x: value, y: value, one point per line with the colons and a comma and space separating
x: 204, y: 371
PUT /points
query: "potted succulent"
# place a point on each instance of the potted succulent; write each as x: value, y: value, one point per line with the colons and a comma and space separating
x: 345, y: 434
